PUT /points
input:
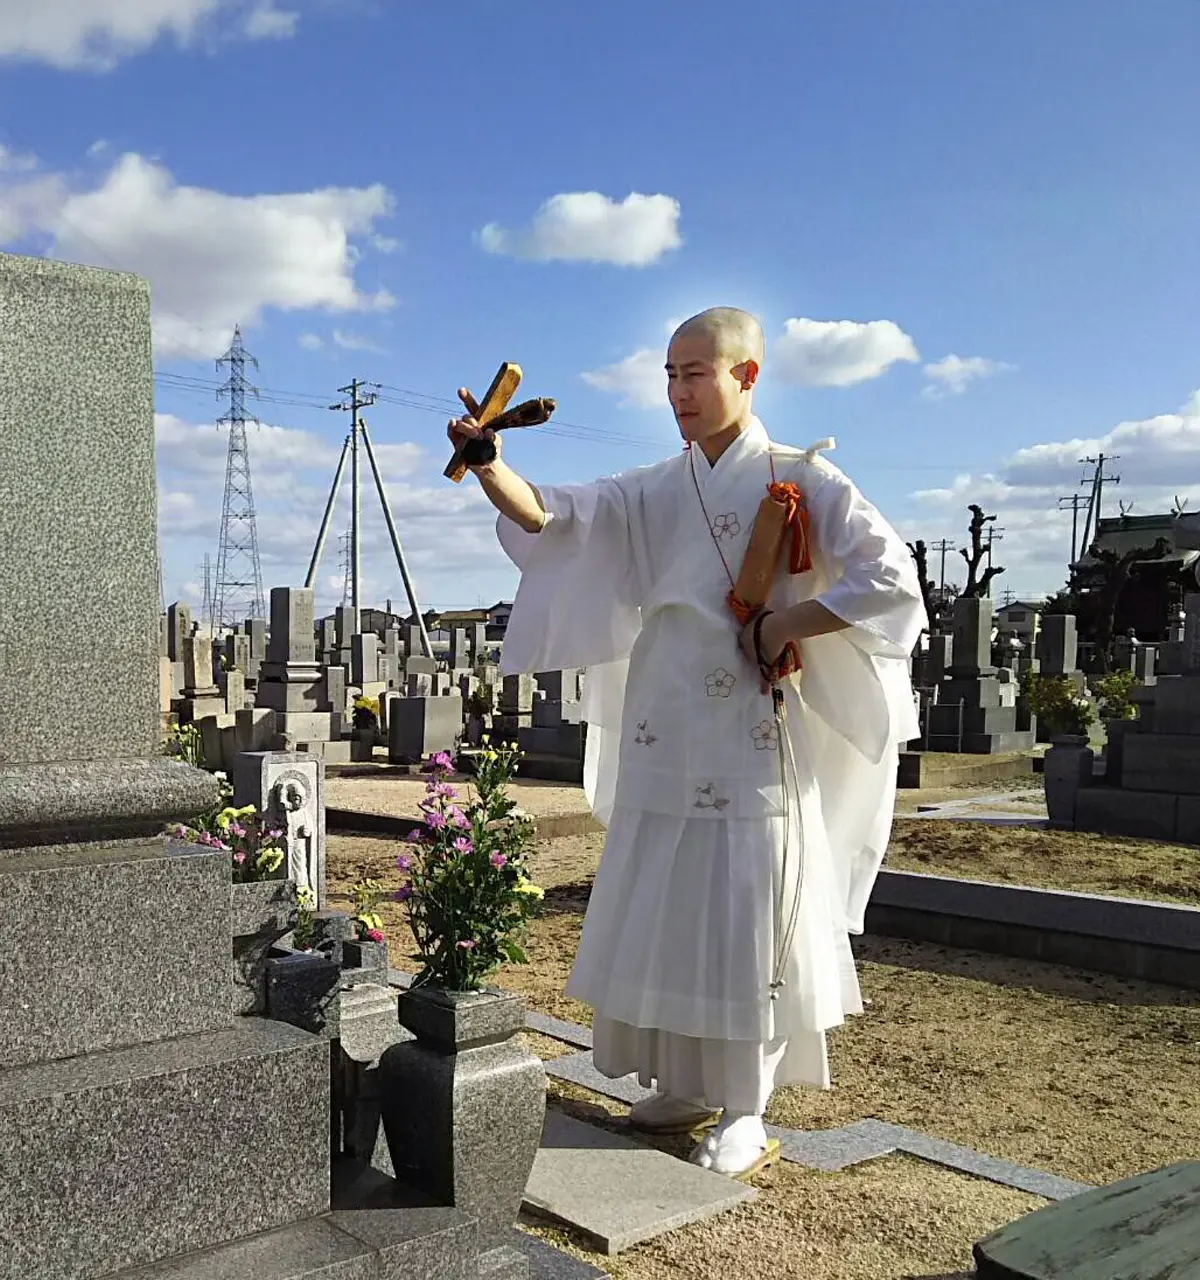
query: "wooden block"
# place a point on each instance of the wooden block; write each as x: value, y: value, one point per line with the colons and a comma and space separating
x: 503, y: 388
x: 1143, y: 1228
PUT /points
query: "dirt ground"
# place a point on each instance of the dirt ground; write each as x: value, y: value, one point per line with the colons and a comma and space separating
x: 1076, y: 861
x: 1084, y: 1075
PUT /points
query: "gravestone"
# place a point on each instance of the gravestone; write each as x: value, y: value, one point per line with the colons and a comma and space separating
x: 420, y: 727
x: 364, y: 659
x: 1153, y: 782
x: 179, y: 629
x: 328, y: 639
x: 289, y: 790
x: 459, y: 656
x: 1058, y: 644
x: 237, y: 653
x: 144, y: 1056
x: 198, y: 668
x: 477, y: 642
x: 971, y: 644
x: 290, y: 680
x: 972, y: 712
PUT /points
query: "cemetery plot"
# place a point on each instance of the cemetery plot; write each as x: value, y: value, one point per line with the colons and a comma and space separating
x: 1084, y: 1076
x: 1077, y: 862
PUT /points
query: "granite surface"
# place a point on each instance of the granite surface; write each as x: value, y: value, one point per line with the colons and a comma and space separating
x: 548, y: 1263
x: 78, y: 518
x: 145, y: 956
x: 118, y: 1159
x: 98, y: 799
x: 261, y: 912
x: 303, y: 990
x: 310, y: 1250
x: 617, y: 1192
x: 463, y: 1126
x: 461, y: 1019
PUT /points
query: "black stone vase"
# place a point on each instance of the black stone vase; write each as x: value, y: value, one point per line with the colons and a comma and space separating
x: 463, y: 1104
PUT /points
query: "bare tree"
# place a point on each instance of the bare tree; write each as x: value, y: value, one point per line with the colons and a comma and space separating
x: 1117, y: 570
x: 920, y: 554
x: 978, y: 583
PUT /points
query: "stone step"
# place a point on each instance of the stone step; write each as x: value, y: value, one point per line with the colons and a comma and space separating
x: 418, y: 1242
x: 619, y: 1193
x: 127, y: 1157
x: 144, y: 956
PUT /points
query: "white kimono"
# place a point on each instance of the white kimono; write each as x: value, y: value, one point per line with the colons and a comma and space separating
x: 720, y: 835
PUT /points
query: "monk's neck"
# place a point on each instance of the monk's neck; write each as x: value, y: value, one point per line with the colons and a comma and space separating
x: 714, y: 446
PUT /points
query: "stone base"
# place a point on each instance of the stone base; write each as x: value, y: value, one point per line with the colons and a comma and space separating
x: 985, y: 744
x: 149, y: 931
x: 118, y: 1159
x: 377, y: 1230
x: 947, y: 769
x: 1145, y: 815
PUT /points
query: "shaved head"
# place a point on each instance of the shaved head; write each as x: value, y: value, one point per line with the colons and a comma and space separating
x: 736, y: 335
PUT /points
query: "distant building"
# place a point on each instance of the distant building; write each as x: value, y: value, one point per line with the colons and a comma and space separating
x: 1156, y: 587
x: 1019, y: 618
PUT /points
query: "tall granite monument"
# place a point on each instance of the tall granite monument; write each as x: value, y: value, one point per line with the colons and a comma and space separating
x: 141, y: 1122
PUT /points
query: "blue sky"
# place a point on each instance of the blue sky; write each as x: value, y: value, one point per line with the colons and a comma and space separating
x: 969, y: 229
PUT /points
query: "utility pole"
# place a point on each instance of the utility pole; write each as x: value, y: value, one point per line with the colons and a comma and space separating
x: 1099, y: 480
x: 1074, y: 502
x: 344, y: 540
x: 208, y: 593
x: 943, y: 546
x: 360, y: 399
x: 993, y: 535
x: 1009, y: 596
x: 356, y: 404
x: 238, y: 589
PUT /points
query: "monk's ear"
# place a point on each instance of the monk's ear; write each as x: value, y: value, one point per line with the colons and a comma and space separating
x: 748, y: 374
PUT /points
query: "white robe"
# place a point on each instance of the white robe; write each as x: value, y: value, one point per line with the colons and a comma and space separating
x: 708, y: 842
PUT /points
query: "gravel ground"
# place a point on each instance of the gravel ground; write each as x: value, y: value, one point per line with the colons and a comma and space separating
x: 1077, y: 861
x: 1087, y: 1076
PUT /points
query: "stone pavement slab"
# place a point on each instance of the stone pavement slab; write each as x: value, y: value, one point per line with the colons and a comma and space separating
x: 831, y: 1149
x: 1035, y: 1181
x: 578, y: 1068
x: 617, y: 1192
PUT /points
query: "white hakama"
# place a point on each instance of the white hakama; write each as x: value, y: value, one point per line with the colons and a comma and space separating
x: 736, y: 858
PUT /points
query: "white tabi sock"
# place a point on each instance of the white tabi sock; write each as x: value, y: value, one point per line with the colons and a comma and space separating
x: 734, y: 1146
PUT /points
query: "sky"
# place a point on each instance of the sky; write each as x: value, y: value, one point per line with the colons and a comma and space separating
x: 968, y: 226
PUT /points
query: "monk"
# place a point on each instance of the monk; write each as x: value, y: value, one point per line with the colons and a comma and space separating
x: 748, y: 801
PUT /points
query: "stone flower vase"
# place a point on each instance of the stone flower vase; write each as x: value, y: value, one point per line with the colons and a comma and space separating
x: 261, y: 913
x: 463, y: 1105
x: 1069, y: 766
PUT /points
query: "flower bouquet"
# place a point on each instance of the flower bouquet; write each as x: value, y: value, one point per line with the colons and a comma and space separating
x: 467, y: 893
x: 256, y: 850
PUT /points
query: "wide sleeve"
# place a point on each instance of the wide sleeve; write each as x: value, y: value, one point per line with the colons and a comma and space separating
x: 577, y: 604
x: 873, y: 584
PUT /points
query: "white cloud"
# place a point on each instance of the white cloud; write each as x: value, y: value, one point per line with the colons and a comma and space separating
x: 15, y: 162
x: 354, y: 342
x: 840, y: 353
x: 264, y: 22
x: 311, y: 341
x: 212, y: 259
x: 384, y: 244
x: 951, y: 375
x: 639, y: 379
x: 447, y: 531
x: 585, y: 226
x: 96, y: 34
x: 1157, y: 459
